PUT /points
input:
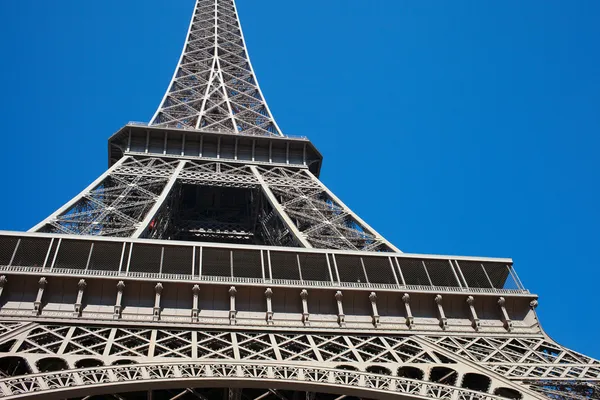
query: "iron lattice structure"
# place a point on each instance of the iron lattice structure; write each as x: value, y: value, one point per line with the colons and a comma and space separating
x: 210, y: 262
x: 214, y: 86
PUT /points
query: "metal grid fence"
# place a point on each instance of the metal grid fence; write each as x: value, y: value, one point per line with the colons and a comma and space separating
x: 224, y: 263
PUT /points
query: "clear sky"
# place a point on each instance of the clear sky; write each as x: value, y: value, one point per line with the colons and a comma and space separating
x: 451, y: 127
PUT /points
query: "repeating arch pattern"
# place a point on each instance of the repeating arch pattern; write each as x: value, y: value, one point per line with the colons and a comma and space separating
x: 131, y: 377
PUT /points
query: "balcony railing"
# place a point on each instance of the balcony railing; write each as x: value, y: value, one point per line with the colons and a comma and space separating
x: 257, y: 265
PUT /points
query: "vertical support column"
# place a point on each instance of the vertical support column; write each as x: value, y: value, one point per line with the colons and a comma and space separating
x: 195, y: 309
x: 410, y: 321
x: 457, y: 265
x: 87, y: 264
x: 232, y: 310
x: 305, y: 314
x: 505, y: 318
x: 3, y: 282
x: 335, y: 267
x: 118, y: 307
x: 81, y: 285
x: 375, y: 313
x: 441, y: 314
x: 341, y: 317
x: 157, y: 293
x: 270, y: 151
x: 37, y: 304
x: 400, y: 271
x: 474, y: 319
x: 304, y: 154
x: 269, y: 316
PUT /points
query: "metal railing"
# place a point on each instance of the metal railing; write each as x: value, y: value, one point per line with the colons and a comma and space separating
x: 146, y: 124
x: 223, y: 263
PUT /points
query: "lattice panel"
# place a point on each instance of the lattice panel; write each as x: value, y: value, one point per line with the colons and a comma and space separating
x: 118, y: 203
x: 539, y: 363
x: 522, y: 357
x: 214, y: 87
x: 146, y: 342
x: 218, y: 174
x: 320, y: 218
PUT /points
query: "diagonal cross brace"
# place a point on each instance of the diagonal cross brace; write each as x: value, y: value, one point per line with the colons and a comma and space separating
x: 279, y: 209
x: 159, y: 202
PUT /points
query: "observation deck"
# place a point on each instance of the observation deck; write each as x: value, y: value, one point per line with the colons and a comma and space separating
x: 254, y: 286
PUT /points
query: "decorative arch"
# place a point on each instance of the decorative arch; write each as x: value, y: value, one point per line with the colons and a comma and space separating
x: 13, y: 366
x: 443, y: 375
x: 89, y: 363
x: 508, y: 393
x: 378, y: 369
x: 174, y: 375
x: 52, y: 364
x: 478, y: 382
x: 411, y: 373
x: 124, y: 361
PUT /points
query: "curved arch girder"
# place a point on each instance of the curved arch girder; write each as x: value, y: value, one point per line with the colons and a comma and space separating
x: 134, y: 377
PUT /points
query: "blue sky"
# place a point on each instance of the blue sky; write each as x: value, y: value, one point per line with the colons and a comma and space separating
x: 464, y: 127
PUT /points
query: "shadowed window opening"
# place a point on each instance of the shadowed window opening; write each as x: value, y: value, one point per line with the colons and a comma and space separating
x: 5, y: 347
x: 13, y: 366
x: 410, y: 373
x: 378, y: 369
x: 478, y: 382
x: 443, y: 375
x: 52, y: 364
x: 89, y: 363
x: 124, y: 362
x: 508, y: 393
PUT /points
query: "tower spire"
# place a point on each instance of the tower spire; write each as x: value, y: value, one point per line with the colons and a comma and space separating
x: 214, y: 87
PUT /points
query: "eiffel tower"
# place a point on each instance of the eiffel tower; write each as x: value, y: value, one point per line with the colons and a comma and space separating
x: 209, y: 262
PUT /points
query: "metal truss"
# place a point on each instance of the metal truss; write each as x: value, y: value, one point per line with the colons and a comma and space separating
x: 116, y: 203
x: 319, y: 216
x: 115, y: 343
x: 299, y: 210
x: 420, y: 358
x: 523, y: 357
x: 105, y: 380
x: 214, y: 87
x: 567, y: 390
